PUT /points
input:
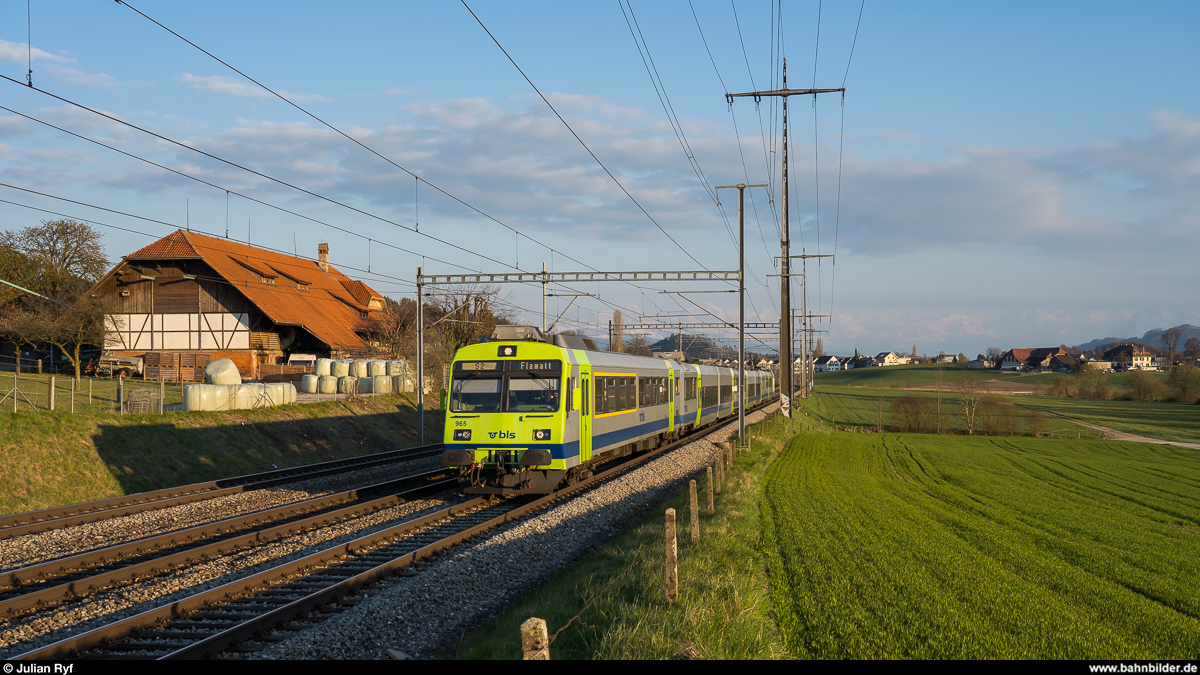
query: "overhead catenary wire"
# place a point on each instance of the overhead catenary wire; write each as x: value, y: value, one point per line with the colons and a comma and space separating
x: 235, y: 165
x: 581, y: 141
x: 416, y: 177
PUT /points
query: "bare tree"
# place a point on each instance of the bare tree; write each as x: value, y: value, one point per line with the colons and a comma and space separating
x: 636, y: 345
x: 969, y: 391
x: 1146, y: 387
x: 1170, y: 340
x: 394, y: 329
x: 618, y: 333
x: 1191, y: 350
x: 61, y: 253
x: 913, y: 413
x: 1185, y: 380
x: 1036, y: 421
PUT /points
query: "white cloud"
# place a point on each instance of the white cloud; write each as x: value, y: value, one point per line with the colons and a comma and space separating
x: 19, y: 52
x: 226, y: 85
x: 73, y: 76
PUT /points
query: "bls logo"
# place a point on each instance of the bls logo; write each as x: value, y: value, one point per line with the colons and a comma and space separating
x: 501, y: 434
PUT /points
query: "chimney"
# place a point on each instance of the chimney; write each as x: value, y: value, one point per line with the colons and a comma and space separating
x: 323, y: 256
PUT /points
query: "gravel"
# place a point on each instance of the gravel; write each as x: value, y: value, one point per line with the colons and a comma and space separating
x: 43, y: 546
x: 455, y: 592
x: 49, y: 625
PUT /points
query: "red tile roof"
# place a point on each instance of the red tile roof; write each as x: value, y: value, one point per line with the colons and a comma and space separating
x: 331, y: 308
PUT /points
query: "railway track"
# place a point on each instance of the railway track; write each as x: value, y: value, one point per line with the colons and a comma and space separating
x: 33, y: 522
x: 72, y: 577
x: 284, y: 597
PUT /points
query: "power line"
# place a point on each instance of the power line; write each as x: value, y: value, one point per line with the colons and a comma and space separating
x: 416, y: 178
x: 585, y: 146
x: 348, y: 137
x: 182, y: 145
x: 226, y: 190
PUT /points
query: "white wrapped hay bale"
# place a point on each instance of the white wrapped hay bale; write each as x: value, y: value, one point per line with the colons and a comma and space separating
x: 222, y: 371
x: 194, y: 397
x: 323, y: 367
x: 245, y: 396
x: 397, y: 367
x: 290, y: 393
x: 364, y: 385
x: 327, y: 384
x: 277, y: 393
x: 308, y: 383
x: 358, y: 369
x: 401, y: 384
x: 339, y: 368
x: 347, y: 385
x: 381, y: 384
x: 376, y: 368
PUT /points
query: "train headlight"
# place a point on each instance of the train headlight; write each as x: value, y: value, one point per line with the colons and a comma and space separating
x: 462, y: 434
x: 541, y: 435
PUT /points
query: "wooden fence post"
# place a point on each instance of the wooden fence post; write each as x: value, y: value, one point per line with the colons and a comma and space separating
x: 73, y: 383
x: 672, y: 558
x: 711, y: 510
x: 694, y: 511
x: 162, y: 395
x: 535, y: 641
x: 89, y: 392
x: 720, y: 474
x: 50, y: 394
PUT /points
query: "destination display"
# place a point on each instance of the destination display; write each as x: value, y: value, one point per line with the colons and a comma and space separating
x: 535, y: 366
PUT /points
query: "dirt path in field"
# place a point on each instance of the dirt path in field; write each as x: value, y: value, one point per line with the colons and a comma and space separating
x: 1117, y: 435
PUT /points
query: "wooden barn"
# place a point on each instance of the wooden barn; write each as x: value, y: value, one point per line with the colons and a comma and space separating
x: 188, y: 298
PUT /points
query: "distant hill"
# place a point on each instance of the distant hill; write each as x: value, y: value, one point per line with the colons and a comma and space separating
x: 698, y: 347
x: 1152, y: 338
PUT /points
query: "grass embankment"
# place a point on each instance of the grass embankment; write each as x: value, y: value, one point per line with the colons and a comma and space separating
x: 51, y: 459
x: 615, y: 595
x: 922, y: 546
x: 92, y: 394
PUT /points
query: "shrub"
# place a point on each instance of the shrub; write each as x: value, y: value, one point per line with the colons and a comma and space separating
x: 913, y: 414
x: 1146, y: 387
x: 1185, y: 380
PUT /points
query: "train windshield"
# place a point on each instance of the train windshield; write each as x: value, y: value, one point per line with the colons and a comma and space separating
x: 471, y: 393
x: 530, y: 392
x: 514, y: 386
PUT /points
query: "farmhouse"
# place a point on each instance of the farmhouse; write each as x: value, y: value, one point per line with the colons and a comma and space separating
x: 1033, y: 358
x: 825, y: 364
x: 203, y: 297
x: 1131, y: 356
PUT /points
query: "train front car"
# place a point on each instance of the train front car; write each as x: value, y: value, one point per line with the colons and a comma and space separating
x: 506, y: 421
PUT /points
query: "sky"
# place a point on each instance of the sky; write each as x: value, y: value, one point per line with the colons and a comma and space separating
x: 1013, y: 175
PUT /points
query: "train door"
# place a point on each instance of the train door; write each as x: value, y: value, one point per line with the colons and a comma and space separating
x: 585, y: 413
x: 671, y: 399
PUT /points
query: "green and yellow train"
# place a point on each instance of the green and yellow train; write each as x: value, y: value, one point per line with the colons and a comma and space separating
x: 526, y: 415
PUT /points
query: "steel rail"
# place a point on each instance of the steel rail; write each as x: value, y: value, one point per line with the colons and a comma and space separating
x: 361, y: 557
x: 76, y: 576
x: 32, y: 522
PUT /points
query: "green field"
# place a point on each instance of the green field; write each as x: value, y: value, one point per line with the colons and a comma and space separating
x: 902, y: 376
x: 859, y: 407
x: 1166, y: 421
x: 926, y: 374
x: 922, y: 546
